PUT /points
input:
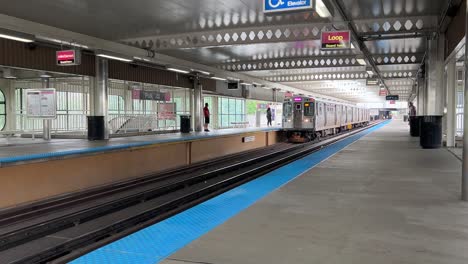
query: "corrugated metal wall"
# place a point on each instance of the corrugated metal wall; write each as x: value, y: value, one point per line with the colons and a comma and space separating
x: 138, y: 73
x: 18, y: 54
x: 21, y: 55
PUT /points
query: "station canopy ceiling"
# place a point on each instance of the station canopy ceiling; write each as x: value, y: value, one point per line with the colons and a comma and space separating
x: 235, y: 35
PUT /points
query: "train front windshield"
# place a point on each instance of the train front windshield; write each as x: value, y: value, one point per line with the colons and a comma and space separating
x: 309, y: 109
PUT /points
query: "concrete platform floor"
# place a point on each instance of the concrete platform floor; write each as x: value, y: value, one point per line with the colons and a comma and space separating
x: 381, y: 200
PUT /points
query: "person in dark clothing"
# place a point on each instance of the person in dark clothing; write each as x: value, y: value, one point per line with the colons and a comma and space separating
x: 206, y: 114
x: 268, y: 113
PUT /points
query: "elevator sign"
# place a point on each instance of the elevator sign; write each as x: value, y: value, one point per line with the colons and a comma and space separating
x: 273, y: 6
x: 68, y: 57
x: 334, y: 40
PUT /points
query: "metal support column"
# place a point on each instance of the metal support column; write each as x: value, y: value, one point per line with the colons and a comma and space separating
x: 434, y: 92
x: 100, y: 97
x: 465, y: 120
x: 46, y: 123
x: 451, y: 102
x: 197, y: 105
x: 421, y: 96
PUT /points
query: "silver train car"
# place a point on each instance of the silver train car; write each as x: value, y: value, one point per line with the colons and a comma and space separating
x: 306, y: 119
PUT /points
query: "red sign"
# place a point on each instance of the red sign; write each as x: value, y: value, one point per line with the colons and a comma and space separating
x: 68, y: 57
x: 332, y: 40
x: 392, y: 102
x: 383, y: 92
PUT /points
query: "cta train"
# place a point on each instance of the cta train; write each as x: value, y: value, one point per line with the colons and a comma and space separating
x: 306, y: 119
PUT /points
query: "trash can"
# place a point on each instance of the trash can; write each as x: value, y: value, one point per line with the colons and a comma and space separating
x: 185, y: 123
x: 96, y: 128
x: 431, y: 132
x: 414, y: 122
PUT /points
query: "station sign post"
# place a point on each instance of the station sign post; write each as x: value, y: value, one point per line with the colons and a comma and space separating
x: 275, y: 6
x: 335, y: 40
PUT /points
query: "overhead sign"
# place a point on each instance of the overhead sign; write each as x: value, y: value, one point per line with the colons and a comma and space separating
x: 333, y: 40
x: 392, y: 97
x: 68, y: 57
x: 273, y: 6
x: 138, y: 94
x: 41, y: 103
x: 383, y: 92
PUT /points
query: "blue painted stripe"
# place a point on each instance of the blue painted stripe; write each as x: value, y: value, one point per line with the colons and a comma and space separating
x: 157, y: 242
x: 92, y: 150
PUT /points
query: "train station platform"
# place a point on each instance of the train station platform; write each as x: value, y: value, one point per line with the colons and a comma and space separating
x: 381, y: 199
x: 33, y: 170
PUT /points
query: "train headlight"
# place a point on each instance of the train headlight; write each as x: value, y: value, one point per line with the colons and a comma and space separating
x: 306, y: 120
x: 289, y: 120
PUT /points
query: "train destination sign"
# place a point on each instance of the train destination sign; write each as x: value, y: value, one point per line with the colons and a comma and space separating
x: 333, y: 40
x: 68, y: 57
x: 392, y: 97
x: 273, y: 6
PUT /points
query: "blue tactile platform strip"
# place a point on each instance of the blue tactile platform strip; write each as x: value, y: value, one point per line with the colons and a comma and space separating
x: 155, y: 243
x: 57, y: 154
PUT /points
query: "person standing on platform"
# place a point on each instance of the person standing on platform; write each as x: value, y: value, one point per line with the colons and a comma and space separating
x: 412, y: 111
x: 206, y: 114
x: 268, y: 113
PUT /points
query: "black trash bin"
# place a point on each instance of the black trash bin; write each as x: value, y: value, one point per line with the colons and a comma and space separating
x: 431, y: 132
x: 185, y: 123
x: 96, y: 128
x: 414, y: 122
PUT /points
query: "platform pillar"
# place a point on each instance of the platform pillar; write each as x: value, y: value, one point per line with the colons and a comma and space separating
x: 197, y: 105
x: 97, y: 122
x: 46, y: 123
x: 451, y: 102
x: 464, y: 188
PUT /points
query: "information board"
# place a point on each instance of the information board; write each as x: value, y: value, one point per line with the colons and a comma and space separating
x: 166, y: 111
x: 336, y: 40
x: 41, y: 103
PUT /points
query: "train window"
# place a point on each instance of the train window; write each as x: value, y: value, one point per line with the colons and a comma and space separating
x: 298, y: 106
x: 287, y: 109
x: 309, y: 109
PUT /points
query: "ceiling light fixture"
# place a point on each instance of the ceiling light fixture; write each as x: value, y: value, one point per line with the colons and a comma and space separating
x: 218, y: 78
x: 178, y: 70
x: 17, y: 36
x: 322, y: 9
x: 113, y: 56
x: 361, y: 61
x: 200, y: 71
x: 45, y: 75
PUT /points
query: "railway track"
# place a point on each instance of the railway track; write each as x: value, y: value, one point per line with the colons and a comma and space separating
x: 61, y: 229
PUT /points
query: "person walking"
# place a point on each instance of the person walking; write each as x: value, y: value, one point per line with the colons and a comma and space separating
x: 206, y: 114
x: 268, y: 113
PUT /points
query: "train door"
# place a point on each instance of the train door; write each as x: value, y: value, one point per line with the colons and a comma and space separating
x: 320, y: 116
x: 298, y: 114
x: 287, y: 114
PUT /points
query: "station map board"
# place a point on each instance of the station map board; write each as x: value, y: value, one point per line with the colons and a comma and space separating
x: 41, y: 103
